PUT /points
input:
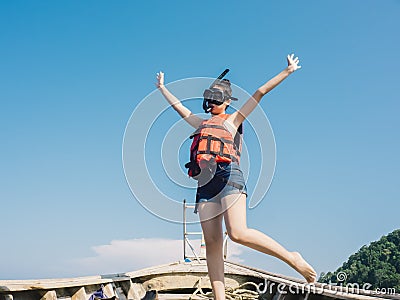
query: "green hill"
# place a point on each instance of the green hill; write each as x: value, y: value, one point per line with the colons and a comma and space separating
x: 377, y: 264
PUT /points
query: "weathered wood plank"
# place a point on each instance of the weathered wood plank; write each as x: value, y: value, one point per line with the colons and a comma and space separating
x: 50, y: 295
x: 109, y: 290
x: 80, y: 295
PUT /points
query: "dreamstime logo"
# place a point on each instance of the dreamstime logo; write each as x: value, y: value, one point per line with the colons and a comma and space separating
x: 341, y: 276
x: 271, y: 287
x: 156, y: 147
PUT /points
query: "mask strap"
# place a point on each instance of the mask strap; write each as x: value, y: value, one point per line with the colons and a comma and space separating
x: 205, y: 104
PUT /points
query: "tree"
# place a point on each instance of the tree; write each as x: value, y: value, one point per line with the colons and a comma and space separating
x: 377, y: 264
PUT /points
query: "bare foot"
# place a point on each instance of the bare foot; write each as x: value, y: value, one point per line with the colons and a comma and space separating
x: 301, y: 266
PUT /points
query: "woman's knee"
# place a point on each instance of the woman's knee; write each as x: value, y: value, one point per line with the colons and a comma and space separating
x: 238, y: 235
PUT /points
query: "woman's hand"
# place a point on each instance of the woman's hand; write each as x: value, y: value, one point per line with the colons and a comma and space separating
x: 293, y: 63
x: 160, y: 80
x: 239, y: 116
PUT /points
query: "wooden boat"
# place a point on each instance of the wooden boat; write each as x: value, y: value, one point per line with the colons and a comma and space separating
x: 182, y: 280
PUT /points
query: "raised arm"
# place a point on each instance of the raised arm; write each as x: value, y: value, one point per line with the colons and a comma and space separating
x: 183, y: 111
x: 239, y: 116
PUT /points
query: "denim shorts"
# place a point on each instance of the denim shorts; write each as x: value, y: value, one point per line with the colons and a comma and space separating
x: 228, y: 179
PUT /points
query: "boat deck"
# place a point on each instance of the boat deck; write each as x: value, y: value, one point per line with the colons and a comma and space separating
x: 182, y: 280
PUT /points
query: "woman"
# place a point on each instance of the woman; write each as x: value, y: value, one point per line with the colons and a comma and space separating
x: 221, y: 193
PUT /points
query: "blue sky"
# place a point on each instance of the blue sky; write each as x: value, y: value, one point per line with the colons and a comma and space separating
x: 72, y: 73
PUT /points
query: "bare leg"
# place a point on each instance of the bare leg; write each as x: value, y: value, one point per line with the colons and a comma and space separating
x: 211, y: 223
x: 235, y: 221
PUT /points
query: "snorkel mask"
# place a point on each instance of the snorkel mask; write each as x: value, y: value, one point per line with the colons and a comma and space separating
x: 214, y: 95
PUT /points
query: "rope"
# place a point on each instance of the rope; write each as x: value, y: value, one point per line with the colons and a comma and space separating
x: 237, y: 293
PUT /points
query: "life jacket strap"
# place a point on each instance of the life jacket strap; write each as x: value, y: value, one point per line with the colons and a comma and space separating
x: 233, y: 158
x: 214, y: 138
x: 223, y: 141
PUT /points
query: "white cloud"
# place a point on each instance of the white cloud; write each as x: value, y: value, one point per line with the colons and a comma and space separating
x: 128, y: 255
x: 235, y: 251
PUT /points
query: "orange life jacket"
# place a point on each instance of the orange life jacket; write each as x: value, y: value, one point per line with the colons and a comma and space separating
x: 213, y: 141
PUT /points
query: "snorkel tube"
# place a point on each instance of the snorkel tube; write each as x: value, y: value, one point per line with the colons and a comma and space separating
x: 205, y: 102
